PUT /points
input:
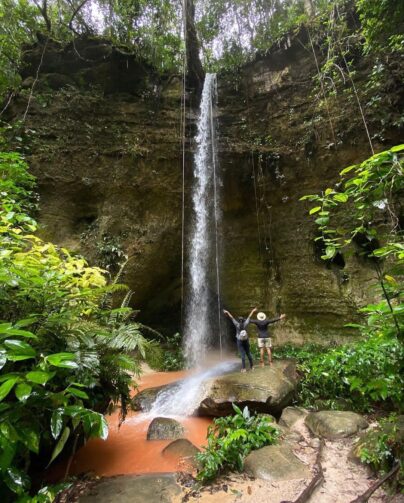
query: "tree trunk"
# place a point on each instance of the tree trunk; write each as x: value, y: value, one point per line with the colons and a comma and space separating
x: 196, y: 74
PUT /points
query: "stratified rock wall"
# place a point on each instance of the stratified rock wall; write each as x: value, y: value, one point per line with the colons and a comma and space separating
x: 106, y: 148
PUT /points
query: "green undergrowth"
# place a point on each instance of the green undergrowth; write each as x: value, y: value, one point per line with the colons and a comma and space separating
x: 168, y: 355
x: 231, y: 439
x: 382, y: 448
x: 65, y: 354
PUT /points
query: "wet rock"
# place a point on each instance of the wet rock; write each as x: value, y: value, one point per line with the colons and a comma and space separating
x: 164, y: 428
x: 144, y: 400
x: 334, y: 424
x: 185, y: 452
x: 290, y: 415
x: 134, y: 489
x: 181, y: 448
x: 275, y: 462
x: 267, y: 389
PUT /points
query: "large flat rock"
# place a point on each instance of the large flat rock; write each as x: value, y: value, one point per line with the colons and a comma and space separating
x: 333, y: 424
x: 267, y: 389
x: 275, y: 462
x: 161, y: 488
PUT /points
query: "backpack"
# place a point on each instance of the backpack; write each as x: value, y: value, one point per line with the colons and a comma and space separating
x: 243, y: 335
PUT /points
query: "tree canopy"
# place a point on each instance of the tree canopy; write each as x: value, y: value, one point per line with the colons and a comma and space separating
x: 229, y: 32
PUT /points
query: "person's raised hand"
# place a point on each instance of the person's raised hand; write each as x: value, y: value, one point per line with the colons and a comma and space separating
x: 226, y: 312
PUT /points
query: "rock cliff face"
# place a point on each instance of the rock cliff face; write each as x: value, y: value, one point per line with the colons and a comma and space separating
x: 106, y: 148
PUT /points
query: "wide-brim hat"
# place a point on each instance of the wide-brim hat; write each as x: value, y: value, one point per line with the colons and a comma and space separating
x: 261, y: 316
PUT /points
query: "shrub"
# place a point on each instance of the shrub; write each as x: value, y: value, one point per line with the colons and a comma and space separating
x: 383, y: 447
x: 231, y: 439
x: 360, y: 374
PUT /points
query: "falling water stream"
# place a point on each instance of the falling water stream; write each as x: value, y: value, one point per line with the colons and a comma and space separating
x: 202, y: 312
x: 203, y: 318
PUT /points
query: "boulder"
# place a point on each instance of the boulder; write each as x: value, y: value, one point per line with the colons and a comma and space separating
x: 181, y: 448
x: 275, y: 462
x: 145, y: 399
x: 267, y: 389
x: 164, y: 428
x: 133, y: 489
x: 335, y: 424
x: 290, y: 415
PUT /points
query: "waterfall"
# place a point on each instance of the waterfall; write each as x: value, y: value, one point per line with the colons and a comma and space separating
x: 202, y: 313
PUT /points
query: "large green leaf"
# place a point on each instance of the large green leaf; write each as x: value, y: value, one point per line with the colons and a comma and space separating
x: 16, y: 480
x: 22, y: 391
x: 20, y: 347
x: 61, y: 443
x: 64, y: 360
x: 6, y: 387
x: 77, y: 392
x: 39, y: 376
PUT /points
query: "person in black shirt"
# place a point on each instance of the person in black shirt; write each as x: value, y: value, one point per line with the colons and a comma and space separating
x: 264, y: 340
x: 243, y: 344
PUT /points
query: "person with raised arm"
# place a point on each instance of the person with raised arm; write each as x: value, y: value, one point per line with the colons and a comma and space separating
x: 243, y: 344
x: 264, y: 339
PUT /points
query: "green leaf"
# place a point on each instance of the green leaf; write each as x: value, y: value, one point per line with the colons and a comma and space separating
x: 322, y: 221
x: 39, y: 376
x: 22, y: 391
x: 56, y: 423
x: 330, y: 252
x: 20, y: 350
x: 21, y: 333
x: 328, y: 192
x: 26, y: 322
x: 64, y: 360
x: 397, y: 148
x: 77, y: 392
x: 341, y: 198
x: 314, y: 210
x: 6, y: 387
x: 61, y: 443
x: 348, y: 169
x: 30, y: 438
x: 16, y: 480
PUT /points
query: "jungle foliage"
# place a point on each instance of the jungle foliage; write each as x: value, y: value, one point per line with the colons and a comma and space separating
x: 65, y: 354
x: 231, y: 439
x: 370, y: 371
x: 229, y: 33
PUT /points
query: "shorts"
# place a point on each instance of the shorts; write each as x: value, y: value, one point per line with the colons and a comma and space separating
x: 264, y: 343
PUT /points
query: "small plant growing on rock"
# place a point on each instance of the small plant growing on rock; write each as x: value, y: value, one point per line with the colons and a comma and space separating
x: 231, y: 439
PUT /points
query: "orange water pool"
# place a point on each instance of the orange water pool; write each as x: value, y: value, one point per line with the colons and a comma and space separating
x: 126, y: 449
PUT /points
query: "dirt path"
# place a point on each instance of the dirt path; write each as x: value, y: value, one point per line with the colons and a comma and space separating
x: 344, y: 479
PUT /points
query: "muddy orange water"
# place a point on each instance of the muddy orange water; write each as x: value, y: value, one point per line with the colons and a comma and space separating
x: 126, y: 449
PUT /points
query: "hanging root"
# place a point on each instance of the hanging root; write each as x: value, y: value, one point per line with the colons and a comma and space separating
x: 366, y: 495
x: 314, y: 482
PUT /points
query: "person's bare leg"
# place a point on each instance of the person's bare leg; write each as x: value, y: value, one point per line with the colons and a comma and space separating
x: 262, y: 357
x: 269, y: 355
